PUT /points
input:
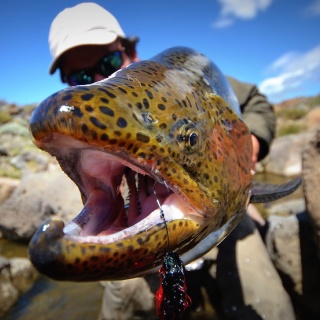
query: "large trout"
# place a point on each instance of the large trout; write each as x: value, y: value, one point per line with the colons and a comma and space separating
x: 169, y: 130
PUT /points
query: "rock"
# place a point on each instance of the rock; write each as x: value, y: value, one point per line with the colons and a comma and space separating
x: 7, y: 185
x: 38, y: 197
x: 23, y: 274
x: 3, y: 152
x: 17, y: 275
x: 8, y: 293
x: 313, y: 118
x: 290, y: 243
x: 39, y: 159
x: 251, y: 272
x: 15, y: 128
x: 285, y: 154
x: 311, y: 177
x: 286, y: 207
x: 283, y: 244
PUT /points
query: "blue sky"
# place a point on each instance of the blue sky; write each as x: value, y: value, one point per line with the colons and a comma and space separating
x: 272, y: 43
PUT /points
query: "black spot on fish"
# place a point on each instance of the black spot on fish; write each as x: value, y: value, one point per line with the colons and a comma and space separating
x: 161, y: 107
x: 104, y: 100
x: 107, y: 111
x: 122, y: 90
x: 89, y: 108
x: 77, y: 112
x: 84, y: 128
x: 108, y: 93
x: 146, y: 103
x: 163, y: 126
x: 104, y: 137
x: 121, y: 122
x: 149, y: 93
x: 87, y: 96
x: 104, y: 249
x: 142, y: 137
x: 97, y: 123
x: 67, y: 97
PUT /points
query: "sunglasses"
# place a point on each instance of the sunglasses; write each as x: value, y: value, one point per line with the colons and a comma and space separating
x: 105, y: 66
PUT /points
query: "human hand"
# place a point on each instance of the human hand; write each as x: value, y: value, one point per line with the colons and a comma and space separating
x: 255, y: 150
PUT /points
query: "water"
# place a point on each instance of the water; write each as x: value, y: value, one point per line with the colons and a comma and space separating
x: 58, y: 300
x: 50, y: 299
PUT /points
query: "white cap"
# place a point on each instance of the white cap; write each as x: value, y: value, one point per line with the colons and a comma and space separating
x: 84, y: 24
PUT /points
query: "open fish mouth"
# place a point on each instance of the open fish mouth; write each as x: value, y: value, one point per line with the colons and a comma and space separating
x: 120, y: 198
x: 130, y: 219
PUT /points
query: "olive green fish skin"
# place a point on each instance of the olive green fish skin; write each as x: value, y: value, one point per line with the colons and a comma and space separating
x: 174, y: 117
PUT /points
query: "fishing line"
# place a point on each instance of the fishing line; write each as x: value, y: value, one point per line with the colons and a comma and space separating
x: 161, y: 211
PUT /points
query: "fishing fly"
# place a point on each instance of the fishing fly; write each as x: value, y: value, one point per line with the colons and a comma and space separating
x: 171, y: 298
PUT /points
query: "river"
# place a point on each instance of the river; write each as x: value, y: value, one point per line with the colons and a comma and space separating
x: 50, y: 299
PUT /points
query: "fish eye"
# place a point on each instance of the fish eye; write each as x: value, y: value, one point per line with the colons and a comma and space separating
x: 188, y: 137
x: 193, y: 139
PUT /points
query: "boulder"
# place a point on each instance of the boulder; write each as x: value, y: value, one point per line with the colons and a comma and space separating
x: 39, y: 196
x: 17, y: 275
x: 23, y: 274
x: 286, y: 207
x: 285, y: 154
x: 289, y: 241
x: 7, y: 185
x: 311, y: 177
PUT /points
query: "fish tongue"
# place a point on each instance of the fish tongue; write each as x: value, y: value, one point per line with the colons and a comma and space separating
x: 99, y: 212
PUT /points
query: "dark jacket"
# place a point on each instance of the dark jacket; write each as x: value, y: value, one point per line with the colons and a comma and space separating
x: 257, y: 112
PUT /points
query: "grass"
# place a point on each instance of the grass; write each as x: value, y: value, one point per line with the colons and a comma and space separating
x: 292, y: 113
x: 290, y: 128
x: 315, y: 102
x: 5, y: 117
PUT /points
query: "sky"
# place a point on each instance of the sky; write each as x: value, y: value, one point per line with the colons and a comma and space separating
x: 274, y: 44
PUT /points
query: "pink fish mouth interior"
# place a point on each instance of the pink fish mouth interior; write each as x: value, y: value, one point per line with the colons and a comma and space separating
x: 120, y: 198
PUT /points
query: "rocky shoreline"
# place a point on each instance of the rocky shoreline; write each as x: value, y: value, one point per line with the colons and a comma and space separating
x: 33, y: 188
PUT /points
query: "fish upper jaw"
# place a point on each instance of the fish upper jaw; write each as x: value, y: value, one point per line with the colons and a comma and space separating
x: 120, y: 198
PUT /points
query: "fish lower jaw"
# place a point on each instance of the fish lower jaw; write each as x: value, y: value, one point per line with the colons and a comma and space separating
x: 173, y: 208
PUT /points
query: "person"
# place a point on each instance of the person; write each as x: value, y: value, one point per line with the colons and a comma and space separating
x: 88, y: 44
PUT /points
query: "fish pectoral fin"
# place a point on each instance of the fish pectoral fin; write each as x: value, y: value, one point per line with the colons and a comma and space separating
x: 265, y: 192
